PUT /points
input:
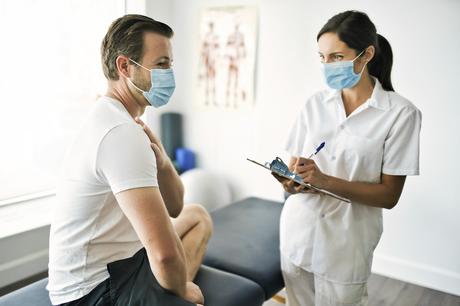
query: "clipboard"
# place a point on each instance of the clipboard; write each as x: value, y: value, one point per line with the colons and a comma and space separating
x: 278, y: 167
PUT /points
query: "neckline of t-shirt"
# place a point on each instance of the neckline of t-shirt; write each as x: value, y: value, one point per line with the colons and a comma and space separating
x: 116, y: 102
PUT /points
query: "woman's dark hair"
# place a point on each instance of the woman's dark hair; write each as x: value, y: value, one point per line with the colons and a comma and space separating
x: 126, y: 37
x: 358, y: 32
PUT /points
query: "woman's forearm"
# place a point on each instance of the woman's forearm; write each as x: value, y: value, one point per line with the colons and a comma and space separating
x: 384, y: 194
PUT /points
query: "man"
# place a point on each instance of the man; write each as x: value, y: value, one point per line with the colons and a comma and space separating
x: 120, y: 192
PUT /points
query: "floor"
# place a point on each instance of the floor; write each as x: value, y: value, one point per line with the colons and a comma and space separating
x: 385, y: 291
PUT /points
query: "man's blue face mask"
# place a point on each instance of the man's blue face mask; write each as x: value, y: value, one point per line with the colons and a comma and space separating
x: 341, y: 74
x: 162, y: 86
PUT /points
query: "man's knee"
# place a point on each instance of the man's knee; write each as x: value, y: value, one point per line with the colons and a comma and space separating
x: 202, y: 215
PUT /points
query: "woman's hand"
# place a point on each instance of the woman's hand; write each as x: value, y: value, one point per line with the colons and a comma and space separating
x: 288, y: 185
x: 162, y: 158
x: 310, y: 173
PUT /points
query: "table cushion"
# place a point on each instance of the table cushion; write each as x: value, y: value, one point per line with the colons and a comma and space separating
x: 225, y: 289
x: 245, y: 242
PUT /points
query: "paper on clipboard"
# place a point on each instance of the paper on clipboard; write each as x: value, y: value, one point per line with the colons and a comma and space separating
x: 278, y: 169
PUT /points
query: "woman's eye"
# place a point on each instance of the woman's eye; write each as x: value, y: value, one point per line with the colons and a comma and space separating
x: 338, y: 57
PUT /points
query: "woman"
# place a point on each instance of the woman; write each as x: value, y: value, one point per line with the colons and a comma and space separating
x: 372, y: 143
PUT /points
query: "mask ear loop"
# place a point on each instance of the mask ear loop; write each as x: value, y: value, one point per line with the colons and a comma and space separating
x: 139, y: 64
x: 359, y: 56
x: 132, y: 83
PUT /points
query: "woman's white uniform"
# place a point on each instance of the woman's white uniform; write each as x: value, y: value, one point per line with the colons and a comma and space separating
x: 327, y: 245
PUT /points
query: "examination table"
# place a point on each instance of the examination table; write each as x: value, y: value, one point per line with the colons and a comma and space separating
x: 241, y: 266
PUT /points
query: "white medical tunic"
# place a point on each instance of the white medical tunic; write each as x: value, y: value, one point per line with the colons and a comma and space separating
x: 323, y: 235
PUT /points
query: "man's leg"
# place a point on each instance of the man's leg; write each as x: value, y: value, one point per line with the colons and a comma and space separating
x: 194, y: 227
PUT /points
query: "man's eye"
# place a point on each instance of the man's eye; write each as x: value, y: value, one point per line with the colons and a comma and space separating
x: 164, y: 65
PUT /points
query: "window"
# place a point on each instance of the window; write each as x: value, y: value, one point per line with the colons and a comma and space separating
x: 51, y: 75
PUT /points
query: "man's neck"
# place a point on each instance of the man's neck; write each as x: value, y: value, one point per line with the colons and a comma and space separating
x: 121, y: 93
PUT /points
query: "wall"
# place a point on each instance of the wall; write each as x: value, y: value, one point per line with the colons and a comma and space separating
x: 419, y: 243
x: 23, y: 255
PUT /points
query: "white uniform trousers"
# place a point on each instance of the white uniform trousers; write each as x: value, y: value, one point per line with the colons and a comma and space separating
x: 304, y: 288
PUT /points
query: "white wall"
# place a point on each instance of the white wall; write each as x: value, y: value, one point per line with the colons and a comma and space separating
x: 420, y: 243
x: 23, y: 255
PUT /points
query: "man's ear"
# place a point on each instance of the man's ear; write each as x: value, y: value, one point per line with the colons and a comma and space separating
x: 123, y: 67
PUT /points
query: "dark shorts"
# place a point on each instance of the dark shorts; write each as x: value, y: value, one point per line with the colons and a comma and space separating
x: 131, y: 283
x: 99, y: 296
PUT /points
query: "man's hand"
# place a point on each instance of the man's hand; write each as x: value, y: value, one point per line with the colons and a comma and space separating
x: 171, y: 187
x: 193, y: 293
x: 157, y: 147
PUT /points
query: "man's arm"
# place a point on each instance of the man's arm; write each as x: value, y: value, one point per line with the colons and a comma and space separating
x: 171, y: 187
x: 125, y: 162
x: 146, y: 211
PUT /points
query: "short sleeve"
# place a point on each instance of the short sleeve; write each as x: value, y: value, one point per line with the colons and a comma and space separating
x: 297, y: 135
x: 402, y: 145
x: 125, y: 159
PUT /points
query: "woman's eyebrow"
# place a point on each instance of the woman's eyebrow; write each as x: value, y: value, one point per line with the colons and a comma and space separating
x: 332, y: 53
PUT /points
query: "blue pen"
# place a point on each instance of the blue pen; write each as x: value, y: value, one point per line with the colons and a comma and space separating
x: 319, y: 148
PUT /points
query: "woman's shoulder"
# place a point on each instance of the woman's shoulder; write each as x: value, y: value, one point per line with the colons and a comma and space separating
x: 400, y: 103
x: 321, y: 96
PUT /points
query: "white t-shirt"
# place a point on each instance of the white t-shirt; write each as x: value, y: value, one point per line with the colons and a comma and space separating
x: 326, y: 236
x: 111, y: 153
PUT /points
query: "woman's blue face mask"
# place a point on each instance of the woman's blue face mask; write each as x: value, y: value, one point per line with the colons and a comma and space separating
x: 162, y: 86
x: 341, y: 74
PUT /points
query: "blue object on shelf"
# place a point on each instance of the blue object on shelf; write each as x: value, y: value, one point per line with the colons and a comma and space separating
x: 185, y: 159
